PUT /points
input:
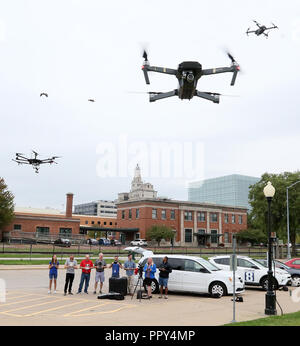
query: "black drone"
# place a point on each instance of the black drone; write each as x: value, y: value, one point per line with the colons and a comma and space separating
x: 261, y: 29
x: 35, y: 162
x: 188, y: 74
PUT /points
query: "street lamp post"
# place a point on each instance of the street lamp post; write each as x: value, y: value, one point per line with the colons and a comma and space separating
x: 288, y: 219
x: 270, y: 308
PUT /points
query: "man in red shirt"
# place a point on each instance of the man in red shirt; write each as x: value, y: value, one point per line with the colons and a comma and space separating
x: 86, y: 265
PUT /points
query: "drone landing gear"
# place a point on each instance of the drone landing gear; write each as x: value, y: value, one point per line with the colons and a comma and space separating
x: 158, y: 96
x: 215, y: 98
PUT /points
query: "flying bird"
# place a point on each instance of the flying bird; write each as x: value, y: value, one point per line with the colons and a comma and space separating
x: 43, y: 94
x: 91, y: 100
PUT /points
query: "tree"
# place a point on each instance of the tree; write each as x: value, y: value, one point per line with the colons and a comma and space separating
x: 257, y: 200
x: 159, y: 232
x: 252, y: 236
x: 6, y: 205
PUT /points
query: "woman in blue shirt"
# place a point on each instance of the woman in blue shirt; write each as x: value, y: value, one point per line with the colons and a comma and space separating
x: 149, y: 270
x: 53, y: 266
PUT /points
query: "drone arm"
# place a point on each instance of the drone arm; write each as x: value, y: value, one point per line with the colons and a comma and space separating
x: 217, y: 70
x: 155, y: 97
x: 160, y: 69
x: 211, y: 97
x: 234, y: 68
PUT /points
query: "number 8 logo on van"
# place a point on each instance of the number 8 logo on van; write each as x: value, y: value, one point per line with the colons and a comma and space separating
x: 249, y: 276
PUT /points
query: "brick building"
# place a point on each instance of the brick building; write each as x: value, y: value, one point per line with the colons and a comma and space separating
x: 194, y: 224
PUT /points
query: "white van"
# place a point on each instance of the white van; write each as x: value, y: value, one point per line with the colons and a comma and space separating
x: 191, y: 274
x: 253, y: 272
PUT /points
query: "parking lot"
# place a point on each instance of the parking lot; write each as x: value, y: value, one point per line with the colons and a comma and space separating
x: 28, y: 303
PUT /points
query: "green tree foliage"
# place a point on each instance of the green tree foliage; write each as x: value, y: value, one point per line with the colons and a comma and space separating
x: 258, y: 214
x: 6, y: 205
x: 253, y: 236
x: 159, y: 232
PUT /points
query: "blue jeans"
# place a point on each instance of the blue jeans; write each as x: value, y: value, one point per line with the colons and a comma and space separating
x: 85, y: 278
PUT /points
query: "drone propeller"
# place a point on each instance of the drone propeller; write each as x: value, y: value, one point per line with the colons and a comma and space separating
x: 43, y: 94
x: 212, y: 93
x: 144, y: 92
x: 236, y: 65
x: 275, y: 26
x: 18, y: 154
x: 91, y: 100
x: 144, y: 67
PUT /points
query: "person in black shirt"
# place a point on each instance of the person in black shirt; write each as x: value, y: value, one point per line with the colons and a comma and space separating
x: 164, y: 271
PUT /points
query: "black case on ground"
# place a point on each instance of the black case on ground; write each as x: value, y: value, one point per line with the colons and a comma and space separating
x: 118, y: 285
x: 111, y: 295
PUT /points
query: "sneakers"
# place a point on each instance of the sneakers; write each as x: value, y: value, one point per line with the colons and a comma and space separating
x: 94, y: 292
x: 78, y: 292
x: 86, y: 292
x: 65, y: 293
x: 71, y: 293
x: 49, y: 291
x: 166, y: 297
x: 54, y: 292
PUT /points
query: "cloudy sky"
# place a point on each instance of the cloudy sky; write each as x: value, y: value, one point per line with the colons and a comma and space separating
x: 80, y: 49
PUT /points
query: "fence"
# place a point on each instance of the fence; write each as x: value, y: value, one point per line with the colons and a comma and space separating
x: 35, y: 249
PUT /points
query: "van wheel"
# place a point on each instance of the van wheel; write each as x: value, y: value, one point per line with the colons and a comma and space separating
x: 264, y: 283
x: 217, y: 289
x: 154, y: 287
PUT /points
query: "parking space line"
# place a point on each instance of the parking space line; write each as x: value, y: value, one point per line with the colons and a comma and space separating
x: 23, y: 295
x: 23, y: 301
x: 104, y: 312
x: 30, y: 306
x: 52, y: 309
x: 94, y: 306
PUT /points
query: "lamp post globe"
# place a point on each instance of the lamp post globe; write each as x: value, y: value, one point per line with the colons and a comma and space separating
x: 270, y: 307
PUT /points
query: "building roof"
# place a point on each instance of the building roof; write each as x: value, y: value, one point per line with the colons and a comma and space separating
x: 187, y: 203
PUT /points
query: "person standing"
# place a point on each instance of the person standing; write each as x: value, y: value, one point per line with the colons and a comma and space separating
x: 53, y: 266
x: 164, y: 271
x: 149, y: 270
x: 86, y: 266
x: 129, y: 267
x: 70, y: 265
x: 100, y: 265
x: 115, y: 265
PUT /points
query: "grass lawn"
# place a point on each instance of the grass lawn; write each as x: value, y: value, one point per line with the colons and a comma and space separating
x: 292, y: 319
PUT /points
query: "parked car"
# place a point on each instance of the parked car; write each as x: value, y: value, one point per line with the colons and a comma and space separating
x: 294, y: 272
x: 253, y: 272
x: 115, y: 242
x: 139, y: 242
x: 104, y: 242
x: 92, y: 241
x: 190, y: 274
x: 293, y: 263
x: 62, y: 242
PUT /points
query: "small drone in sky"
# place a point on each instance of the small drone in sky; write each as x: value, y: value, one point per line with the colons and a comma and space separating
x: 188, y: 73
x: 43, y: 94
x: 35, y: 162
x: 261, y: 29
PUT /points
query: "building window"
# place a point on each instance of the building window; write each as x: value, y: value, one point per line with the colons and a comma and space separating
x: 99, y: 223
x: 240, y: 219
x: 214, y: 237
x: 154, y: 213
x: 110, y: 223
x: 226, y: 218
x: 17, y: 227
x: 232, y: 218
x: 137, y: 236
x: 137, y: 213
x: 201, y: 216
x: 42, y: 231
x: 188, y: 235
x: 213, y: 217
x: 163, y: 214
x: 172, y: 214
x: 86, y: 222
x: 188, y: 216
x: 226, y: 237
x: 104, y: 222
x: 129, y: 214
x: 93, y: 222
x: 123, y: 214
x: 65, y: 231
x: 116, y: 223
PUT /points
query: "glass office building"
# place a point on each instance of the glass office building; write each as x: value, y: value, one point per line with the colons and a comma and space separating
x: 230, y: 190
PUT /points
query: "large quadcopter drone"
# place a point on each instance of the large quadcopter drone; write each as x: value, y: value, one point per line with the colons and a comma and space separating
x: 188, y: 73
x: 35, y: 162
x: 261, y: 29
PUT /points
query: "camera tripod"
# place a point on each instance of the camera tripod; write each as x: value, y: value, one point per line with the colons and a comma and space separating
x: 140, y: 284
